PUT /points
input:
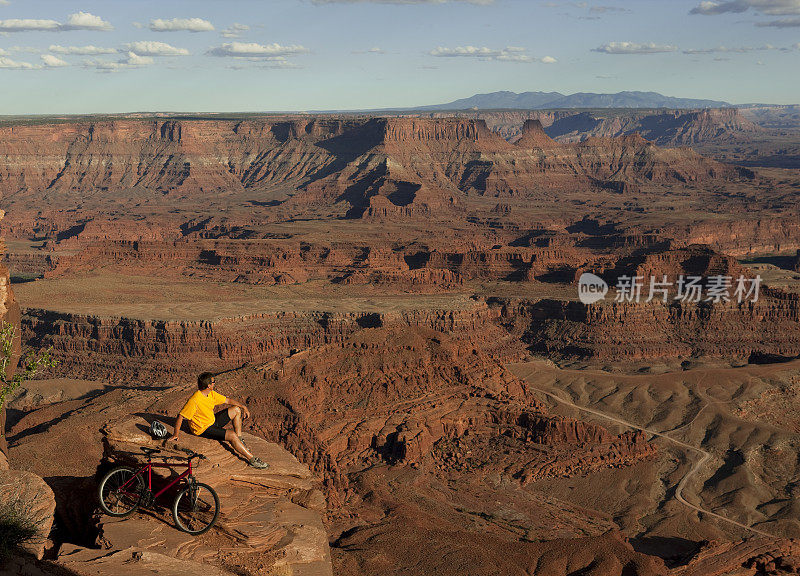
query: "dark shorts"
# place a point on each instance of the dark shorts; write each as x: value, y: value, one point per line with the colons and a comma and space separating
x: 217, y: 430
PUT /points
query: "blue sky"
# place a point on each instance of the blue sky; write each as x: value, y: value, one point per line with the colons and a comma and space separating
x: 80, y: 56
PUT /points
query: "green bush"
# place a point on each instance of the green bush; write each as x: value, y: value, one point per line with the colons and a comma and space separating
x: 18, y: 526
x: 31, y: 363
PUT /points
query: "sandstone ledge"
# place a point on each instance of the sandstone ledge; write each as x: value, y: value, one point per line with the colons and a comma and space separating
x: 270, y: 520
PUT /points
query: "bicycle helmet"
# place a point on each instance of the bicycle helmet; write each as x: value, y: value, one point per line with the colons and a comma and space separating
x: 158, y: 430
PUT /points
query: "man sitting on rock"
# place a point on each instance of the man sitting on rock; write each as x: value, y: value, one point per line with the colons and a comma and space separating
x: 199, y: 411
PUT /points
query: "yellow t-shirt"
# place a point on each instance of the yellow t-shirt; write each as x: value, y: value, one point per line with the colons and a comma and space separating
x: 199, y: 410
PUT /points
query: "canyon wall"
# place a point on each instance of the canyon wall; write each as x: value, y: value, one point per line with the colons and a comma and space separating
x: 663, y: 127
x: 614, y: 331
x: 367, y: 167
x: 121, y: 349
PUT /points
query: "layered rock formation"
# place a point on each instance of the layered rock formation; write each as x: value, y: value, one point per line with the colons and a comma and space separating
x: 375, y: 167
x: 664, y: 127
x: 189, y: 157
x: 646, y: 331
x: 675, y: 128
x: 124, y: 348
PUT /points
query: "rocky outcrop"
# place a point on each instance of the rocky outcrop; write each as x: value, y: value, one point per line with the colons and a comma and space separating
x: 534, y: 136
x: 33, y: 501
x: 750, y: 558
x: 270, y: 520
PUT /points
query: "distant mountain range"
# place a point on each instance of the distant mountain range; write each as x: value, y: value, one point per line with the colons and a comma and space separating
x: 549, y: 100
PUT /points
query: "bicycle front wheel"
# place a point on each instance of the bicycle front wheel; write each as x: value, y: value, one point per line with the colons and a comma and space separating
x: 120, y: 492
x: 196, y: 508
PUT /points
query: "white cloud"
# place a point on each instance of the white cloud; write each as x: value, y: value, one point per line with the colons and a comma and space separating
x: 634, y: 48
x: 134, y: 59
x: 10, y: 64
x: 770, y: 7
x: 235, y: 31
x: 86, y: 21
x: 150, y: 48
x: 77, y: 21
x: 26, y: 49
x: 253, y: 50
x: 465, y: 51
x: 27, y: 24
x: 507, y: 54
x: 81, y: 50
x: 181, y: 25
x: 131, y: 60
x: 51, y: 61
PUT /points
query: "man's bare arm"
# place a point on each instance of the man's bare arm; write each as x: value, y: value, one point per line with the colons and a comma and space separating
x: 178, y: 424
x: 245, y: 411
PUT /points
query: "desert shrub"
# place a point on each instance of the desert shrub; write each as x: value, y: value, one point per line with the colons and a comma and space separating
x: 19, y: 525
x: 30, y: 363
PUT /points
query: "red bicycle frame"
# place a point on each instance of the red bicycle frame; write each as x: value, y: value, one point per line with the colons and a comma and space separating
x: 149, y: 467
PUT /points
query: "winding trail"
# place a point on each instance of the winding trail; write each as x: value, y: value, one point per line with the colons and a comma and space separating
x: 704, y: 457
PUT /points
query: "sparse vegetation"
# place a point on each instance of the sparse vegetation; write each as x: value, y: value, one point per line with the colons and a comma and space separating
x: 30, y: 364
x: 19, y: 526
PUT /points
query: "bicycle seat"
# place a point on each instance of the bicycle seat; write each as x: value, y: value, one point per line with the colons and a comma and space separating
x: 150, y: 451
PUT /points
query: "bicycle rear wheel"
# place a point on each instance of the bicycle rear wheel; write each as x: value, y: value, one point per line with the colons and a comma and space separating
x: 196, y: 508
x: 120, y: 492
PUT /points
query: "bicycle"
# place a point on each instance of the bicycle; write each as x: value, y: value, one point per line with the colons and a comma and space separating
x: 123, y: 489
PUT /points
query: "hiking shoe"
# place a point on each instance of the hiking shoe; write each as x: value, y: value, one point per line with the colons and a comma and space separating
x: 256, y: 462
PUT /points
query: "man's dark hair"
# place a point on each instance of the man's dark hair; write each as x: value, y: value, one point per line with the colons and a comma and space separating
x: 204, y: 380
